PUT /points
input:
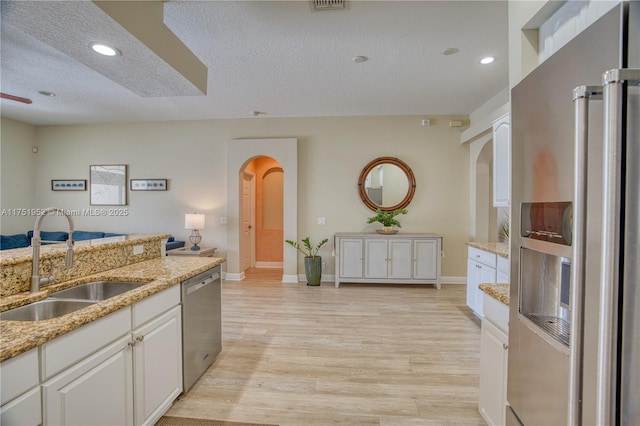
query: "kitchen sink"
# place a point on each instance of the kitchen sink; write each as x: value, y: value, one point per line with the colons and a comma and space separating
x: 96, y: 290
x: 44, y: 310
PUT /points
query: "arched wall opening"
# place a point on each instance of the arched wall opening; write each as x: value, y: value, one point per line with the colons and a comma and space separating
x: 267, y: 220
x: 239, y: 153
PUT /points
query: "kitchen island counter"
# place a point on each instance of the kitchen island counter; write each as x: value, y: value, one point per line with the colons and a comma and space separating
x: 160, y: 273
x: 500, y: 292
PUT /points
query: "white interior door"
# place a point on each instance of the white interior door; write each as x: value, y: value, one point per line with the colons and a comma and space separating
x: 246, y: 246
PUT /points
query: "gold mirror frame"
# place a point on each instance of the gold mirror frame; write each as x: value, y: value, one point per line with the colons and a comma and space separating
x: 411, y: 180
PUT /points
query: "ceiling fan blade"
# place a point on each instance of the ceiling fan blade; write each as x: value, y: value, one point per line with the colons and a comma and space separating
x: 15, y: 98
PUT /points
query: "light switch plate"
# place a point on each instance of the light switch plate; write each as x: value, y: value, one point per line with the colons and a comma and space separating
x: 322, y: 221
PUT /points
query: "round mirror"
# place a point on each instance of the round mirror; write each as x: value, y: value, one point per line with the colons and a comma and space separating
x: 386, y: 183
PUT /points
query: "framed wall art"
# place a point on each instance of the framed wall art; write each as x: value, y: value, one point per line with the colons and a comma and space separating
x: 108, y: 185
x: 68, y: 184
x: 148, y: 184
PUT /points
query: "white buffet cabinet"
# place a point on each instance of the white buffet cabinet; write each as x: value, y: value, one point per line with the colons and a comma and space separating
x: 403, y: 258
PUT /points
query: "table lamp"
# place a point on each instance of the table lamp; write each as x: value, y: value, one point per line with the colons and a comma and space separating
x: 194, y: 222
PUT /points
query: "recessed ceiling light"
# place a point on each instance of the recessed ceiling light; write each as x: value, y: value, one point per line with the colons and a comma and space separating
x: 359, y: 59
x: 46, y: 93
x: 450, y: 51
x: 487, y: 60
x: 104, y: 49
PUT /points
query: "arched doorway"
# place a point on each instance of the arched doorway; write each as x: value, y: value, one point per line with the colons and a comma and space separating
x: 483, y: 213
x: 261, y: 213
x: 239, y: 153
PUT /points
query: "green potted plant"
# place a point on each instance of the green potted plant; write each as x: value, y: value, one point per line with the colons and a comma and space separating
x: 388, y: 220
x: 312, y: 262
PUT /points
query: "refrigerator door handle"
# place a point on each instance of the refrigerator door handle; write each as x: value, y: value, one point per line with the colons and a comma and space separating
x: 581, y: 115
x: 613, y: 85
x: 581, y: 97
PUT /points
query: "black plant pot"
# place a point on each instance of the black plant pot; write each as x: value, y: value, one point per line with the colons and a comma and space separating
x: 313, y: 270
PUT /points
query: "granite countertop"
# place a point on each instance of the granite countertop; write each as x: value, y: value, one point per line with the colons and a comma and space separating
x: 161, y: 273
x: 13, y: 256
x: 499, y: 292
x: 501, y: 249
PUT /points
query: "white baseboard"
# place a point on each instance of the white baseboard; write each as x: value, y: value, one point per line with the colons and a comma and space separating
x: 331, y: 278
x: 234, y: 276
x: 274, y: 265
x: 291, y: 279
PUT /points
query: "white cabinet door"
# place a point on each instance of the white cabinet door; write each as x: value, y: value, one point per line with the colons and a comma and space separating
x: 157, y: 357
x: 95, y: 391
x: 493, y: 373
x: 501, y: 161
x: 502, y: 270
x: 400, y: 259
x: 18, y: 374
x: 425, y: 259
x: 351, y: 258
x: 486, y: 275
x: 375, y: 252
x: 24, y: 410
x: 477, y: 273
x: 473, y: 278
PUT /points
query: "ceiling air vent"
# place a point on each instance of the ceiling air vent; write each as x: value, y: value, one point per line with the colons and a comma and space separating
x: 329, y: 4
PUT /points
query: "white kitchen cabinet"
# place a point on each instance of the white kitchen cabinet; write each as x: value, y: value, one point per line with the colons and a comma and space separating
x: 20, y: 390
x: 18, y: 375
x: 95, y: 391
x: 157, y: 364
x: 502, y: 270
x: 481, y: 269
x: 411, y: 258
x: 24, y: 410
x: 501, y: 161
x: 494, y: 353
x: 90, y: 378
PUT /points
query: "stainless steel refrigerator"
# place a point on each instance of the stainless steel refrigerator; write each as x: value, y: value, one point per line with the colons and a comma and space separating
x: 574, y: 322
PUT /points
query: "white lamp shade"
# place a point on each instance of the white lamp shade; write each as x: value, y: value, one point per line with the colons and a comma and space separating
x: 193, y: 221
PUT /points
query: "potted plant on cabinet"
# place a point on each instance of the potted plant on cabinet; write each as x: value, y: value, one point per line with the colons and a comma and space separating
x: 388, y: 220
x: 312, y: 262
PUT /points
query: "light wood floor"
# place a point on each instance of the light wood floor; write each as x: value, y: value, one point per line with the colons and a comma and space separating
x: 357, y: 355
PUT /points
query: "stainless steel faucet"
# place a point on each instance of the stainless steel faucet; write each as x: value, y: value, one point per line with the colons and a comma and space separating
x: 36, y: 279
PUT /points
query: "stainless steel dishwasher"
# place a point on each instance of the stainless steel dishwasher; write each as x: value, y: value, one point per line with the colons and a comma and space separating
x: 201, y: 324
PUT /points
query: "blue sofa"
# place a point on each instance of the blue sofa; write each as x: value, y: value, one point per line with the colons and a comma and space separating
x: 47, y: 237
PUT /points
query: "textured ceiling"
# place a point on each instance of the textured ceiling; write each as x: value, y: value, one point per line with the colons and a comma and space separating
x: 279, y: 58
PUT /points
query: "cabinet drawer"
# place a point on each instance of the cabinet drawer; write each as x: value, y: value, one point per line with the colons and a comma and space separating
x: 22, y: 411
x: 482, y: 256
x: 66, y: 350
x: 155, y: 305
x: 18, y: 374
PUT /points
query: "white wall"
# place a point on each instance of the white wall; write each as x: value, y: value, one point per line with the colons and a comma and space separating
x: 192, y: 155
x: 17, y: 177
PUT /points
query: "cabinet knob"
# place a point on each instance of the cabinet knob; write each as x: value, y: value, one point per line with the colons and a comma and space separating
x: 505, y: 346
x: 132, y: 343
x: 140, y: 338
